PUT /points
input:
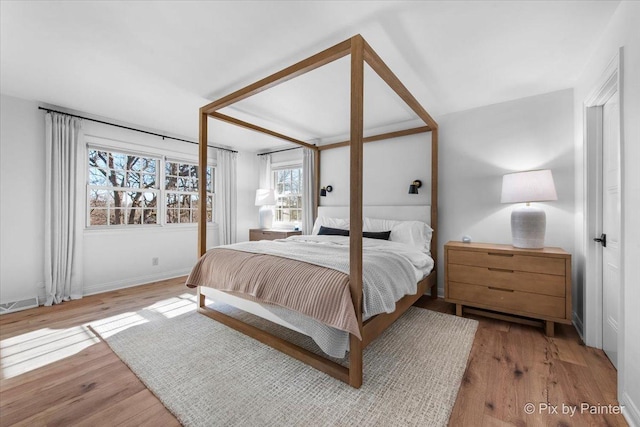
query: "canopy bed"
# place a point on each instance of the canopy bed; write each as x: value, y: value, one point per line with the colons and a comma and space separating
x: 361, y: 330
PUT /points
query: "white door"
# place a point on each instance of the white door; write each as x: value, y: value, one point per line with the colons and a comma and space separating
x: 611, y: 213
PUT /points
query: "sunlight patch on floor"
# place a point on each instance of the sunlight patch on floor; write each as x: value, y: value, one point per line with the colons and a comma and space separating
x: 174, y: 307
x: 32, y: 350
x: 26, y: 352
x: 112, y: 325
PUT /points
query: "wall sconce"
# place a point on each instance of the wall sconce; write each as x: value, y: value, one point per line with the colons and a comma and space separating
x: 413, y: 188
x: 325, y: 190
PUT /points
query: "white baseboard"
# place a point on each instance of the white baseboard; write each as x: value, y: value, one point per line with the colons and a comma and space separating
x: 630, y: 411
x: 135, y: 281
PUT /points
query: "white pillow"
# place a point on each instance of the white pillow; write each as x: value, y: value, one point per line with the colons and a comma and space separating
x: 413, y: 233
x: 326, y: 221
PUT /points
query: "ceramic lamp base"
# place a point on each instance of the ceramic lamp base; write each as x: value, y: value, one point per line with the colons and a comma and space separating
x: 528, y: 225
x: 265, y: 216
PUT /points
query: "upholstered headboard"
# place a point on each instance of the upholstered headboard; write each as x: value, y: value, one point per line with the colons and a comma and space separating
x: 398, y: 213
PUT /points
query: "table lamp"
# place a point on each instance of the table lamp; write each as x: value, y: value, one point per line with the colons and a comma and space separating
x: 528, y: 223
x: 265, y: 198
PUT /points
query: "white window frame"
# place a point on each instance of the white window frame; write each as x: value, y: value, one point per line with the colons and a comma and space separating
x: 89, y: 188
x: 195, y: 193
x: 274, y: 171
x: 159, y: 189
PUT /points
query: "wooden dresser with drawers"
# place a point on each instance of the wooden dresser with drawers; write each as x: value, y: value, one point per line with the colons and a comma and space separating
x: 508, y: 283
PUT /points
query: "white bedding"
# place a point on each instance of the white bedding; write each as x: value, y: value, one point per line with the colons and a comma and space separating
x: 391, y: 270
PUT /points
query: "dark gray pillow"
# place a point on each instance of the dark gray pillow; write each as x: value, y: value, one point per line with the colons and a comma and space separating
x: 327, y: 231
x: 382, y: 235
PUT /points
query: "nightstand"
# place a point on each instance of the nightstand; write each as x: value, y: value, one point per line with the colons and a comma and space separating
x: 508, y: 283
x: 267, y: 234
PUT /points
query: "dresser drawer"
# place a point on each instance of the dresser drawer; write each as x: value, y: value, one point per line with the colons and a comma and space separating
x: 513, y: 301
x: 545, y: 284
x: 508, y: 261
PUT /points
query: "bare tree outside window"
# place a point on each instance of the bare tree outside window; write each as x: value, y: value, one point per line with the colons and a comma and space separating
x: 123, y: 189
x: 182, y: 199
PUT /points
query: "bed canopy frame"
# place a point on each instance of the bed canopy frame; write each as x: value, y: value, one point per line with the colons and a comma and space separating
x: 360, y: 52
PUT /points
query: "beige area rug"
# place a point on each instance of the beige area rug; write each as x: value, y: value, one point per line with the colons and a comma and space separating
x: 207, y: 374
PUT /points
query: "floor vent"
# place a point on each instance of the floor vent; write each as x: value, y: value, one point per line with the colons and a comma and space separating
x: 10, y: 307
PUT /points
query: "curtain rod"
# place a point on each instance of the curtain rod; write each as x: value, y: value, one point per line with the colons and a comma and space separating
x: 49, y: 110
x: 278, y: 151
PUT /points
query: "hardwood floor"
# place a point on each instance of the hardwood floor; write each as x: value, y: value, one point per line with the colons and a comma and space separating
x: 56, y: 371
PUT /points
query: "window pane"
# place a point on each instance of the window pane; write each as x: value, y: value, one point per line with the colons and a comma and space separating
x: 171, y: 183
x: 288, y: 185
x: 185, y: 201
x: 149, y: 200
x: 148, y: 180
x: 172, y: 200
x: 99, y: 198
x: 117, y: 161
x: 210, y: 178
x: 133, y: 179
x: 98, y: 216
x: 121, y: 171
x: 132, y: 216
x: 185, y: 216
x: 116, y: 216
x: 172, y: 216
x: 149, y: 216
x: 98, y: 177
x: 181, y: 183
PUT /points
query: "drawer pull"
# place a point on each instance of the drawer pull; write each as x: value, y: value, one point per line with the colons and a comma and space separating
x: 499, y: 254
x: 500, y: 289
x: 503, y: 270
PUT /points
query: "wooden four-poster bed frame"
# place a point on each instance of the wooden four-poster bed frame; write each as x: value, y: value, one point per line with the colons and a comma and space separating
x: 360, y: 53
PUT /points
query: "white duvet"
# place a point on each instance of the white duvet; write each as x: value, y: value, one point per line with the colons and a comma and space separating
x: 391, y: 270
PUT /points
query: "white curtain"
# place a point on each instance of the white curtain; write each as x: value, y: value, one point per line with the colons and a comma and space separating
x: 309, y: 188
x: 226, y: 196
x: 64, y: 208
x: 266, y: 178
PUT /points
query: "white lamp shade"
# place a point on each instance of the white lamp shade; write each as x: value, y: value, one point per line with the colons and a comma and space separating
x: 528, y: 186
x: 265, y: 197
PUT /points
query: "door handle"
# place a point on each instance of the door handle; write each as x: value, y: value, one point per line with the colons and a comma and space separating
x: 602, y: 239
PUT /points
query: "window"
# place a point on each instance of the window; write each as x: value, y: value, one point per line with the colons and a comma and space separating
x: 181, y: 184
x: 130, y: 189
x: 288, y: 186
x: 123, y: 188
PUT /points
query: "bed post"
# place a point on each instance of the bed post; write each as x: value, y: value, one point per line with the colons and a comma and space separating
x: 434, y: 208
x: 355, y: 196
x: 202, y: 184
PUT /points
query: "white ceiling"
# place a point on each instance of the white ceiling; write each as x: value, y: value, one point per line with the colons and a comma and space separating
x: 154, y: 64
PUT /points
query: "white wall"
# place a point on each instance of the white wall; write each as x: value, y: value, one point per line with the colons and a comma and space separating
x: 112, y: 258
x: 117, y: 258
x: 21, y: 199
x: 389, y: 167
x: 622, y: 31
x: 478, y: 146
